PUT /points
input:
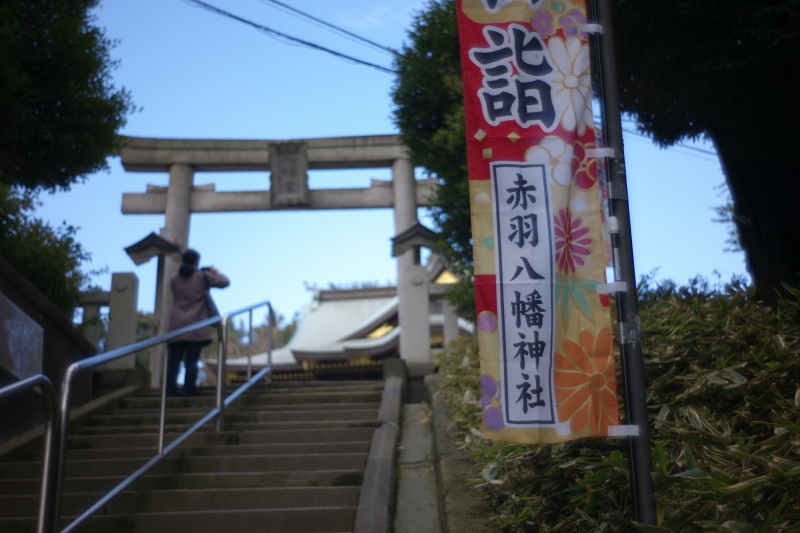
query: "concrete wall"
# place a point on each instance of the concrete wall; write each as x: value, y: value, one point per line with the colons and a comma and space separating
x: 61, y: 345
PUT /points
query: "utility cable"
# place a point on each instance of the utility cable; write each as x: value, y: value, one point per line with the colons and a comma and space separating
x: 636, y: 133
x: 703, y: 151
x: 323, y: 23
x: 270, y: 31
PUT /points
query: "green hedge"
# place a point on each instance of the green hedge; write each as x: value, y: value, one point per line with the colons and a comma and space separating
x: 724, y: 400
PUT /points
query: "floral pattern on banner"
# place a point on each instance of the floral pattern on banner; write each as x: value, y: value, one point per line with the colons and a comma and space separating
x: 584, y: 168
x: 573, y: 99
x: 572, y: 292
x: 572, y: 241
x: 559, y: 13
x: 491, y: 403
x: 556, y: 155
x: 585, y: 383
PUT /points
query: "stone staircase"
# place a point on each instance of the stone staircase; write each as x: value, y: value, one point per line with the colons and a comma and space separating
x: 292, y: 459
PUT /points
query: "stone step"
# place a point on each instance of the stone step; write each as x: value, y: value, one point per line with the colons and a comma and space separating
x: 192, y: 464
x: 27, y: 505
x: 178, y: 500
x: 122, y: 440
x: 305, y: 435
x: 278, y: 478
x: 280, y: 388
x: 292, y: 459
x: 228, y: 437
x: 122, y: 418
x: 259, y: 408
x: 272, y: 398
x: 234, y: 449
x: 162, y: 501
x: 241, y: 426
x: 268, y: 463
x: 306, y: 520
x: 90, y: 468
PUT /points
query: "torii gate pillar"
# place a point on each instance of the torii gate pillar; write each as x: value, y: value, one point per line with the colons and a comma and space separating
x: 177, y: 217
x: 412, y: 278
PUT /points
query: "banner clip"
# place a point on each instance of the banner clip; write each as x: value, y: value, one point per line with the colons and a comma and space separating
x: 591, y: 28
x: 612, y: 224
x: 608, y: 288
x: 623, y: 431
x: 600, y: 152
x: 629, y: 333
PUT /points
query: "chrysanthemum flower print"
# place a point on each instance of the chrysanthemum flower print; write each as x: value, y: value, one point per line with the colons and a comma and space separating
x: 585, y: 383
x: 572, y: 241
x: 573, y: 96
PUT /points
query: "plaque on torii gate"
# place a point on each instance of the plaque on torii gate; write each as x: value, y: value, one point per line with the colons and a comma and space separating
x: 288, y: 176
x: 288, y: 163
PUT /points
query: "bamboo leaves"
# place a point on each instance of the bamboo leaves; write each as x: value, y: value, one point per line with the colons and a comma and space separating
x: 724, y: 397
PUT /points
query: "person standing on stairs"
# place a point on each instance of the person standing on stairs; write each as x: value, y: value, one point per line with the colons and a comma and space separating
x: 191, y: 303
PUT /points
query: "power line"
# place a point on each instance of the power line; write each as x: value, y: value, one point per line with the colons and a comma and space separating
x: 270, y: 31
x: 703, y: 151
x: 323, y: 23
x: 677, y: 145
x: 635, y: 133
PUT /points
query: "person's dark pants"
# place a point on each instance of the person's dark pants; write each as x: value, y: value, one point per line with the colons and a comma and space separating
x: 189, y: 352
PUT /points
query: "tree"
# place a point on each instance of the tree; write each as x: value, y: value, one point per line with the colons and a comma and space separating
x: 429, y: 112
x: 687, y: 70
x: 720, y: 70
x: 49, y: 257
x: 59, y: 112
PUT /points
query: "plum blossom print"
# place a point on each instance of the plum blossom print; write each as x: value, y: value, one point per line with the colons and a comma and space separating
x: 585, y: 382
x: 542, y: 23
x: 572, y: 241
x: 490, y: 403
x: 571, y: 80
x: 584, y: 167
x: 556, y: 155
x: 571, y: 22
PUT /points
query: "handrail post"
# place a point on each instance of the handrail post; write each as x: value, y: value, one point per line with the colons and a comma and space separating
x: 250, y: 345
x: 163, y: 420
x: 270, y: 337
x: 44, y: 520
x: 222, y: 356
x: 61, y: 449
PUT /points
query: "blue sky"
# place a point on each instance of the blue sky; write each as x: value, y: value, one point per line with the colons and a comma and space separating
x: 194, y: 74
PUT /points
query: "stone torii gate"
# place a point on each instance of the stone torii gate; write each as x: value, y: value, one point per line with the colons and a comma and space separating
x: 288, y: 163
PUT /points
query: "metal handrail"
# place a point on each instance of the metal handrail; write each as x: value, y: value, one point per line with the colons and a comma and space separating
x: 50, y: 424
x: 218, y: 412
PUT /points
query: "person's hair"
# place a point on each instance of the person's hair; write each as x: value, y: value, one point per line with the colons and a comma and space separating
x: 189, y: 262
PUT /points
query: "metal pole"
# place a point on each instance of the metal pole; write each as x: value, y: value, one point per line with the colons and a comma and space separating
x: 222, y: 355
x: 644, y: 508
x: 44, y: 522
x: 270, y: 338
x: 163, y: 418
x: 250, y: 345
x: 60, y: 454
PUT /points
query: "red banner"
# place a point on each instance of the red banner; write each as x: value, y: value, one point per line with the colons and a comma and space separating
x: 544, y: 329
